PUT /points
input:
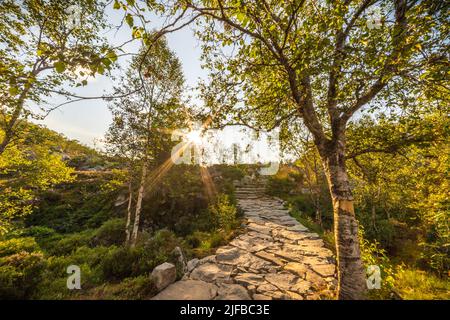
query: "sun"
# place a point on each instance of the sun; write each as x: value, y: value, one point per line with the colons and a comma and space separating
x: 195, y: 137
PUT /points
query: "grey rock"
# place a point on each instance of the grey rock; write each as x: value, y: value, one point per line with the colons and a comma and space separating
x: 188, y: 290
x: 164, y: 274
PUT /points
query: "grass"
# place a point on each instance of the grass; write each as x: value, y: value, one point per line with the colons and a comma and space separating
x: 414, y: 284
x: 327, y: 236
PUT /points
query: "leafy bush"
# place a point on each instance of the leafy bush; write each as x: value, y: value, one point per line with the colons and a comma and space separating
x: 70, y: 243
x: 17, y: 245
x: 127, y: 262
x: 373, y: 254
x: 280, y: 186
x: 53, y: 282
x: 138, y: 288
x: 20, y: 273
x: 223, y: 213
x: 112, y: 232
x: 202, y: 243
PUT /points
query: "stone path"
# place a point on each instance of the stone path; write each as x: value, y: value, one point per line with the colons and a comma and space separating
x: 276, y: 258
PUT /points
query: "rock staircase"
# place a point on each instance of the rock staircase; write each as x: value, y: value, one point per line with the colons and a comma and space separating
x: 275, y: 258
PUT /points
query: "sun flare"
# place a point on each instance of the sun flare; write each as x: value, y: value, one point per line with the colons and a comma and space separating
x: 194, y: 137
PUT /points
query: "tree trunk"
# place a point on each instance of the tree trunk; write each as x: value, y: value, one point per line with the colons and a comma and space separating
x: 130, y: 201
x: 351, y: 275
x: 137, y: 214
x: 11, y: 123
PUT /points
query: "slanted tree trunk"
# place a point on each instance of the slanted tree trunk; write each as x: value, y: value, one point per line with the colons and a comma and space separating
x: 130, y: 202
x: 351, y: 275
x: 137, y: 214
x: 12, y: 122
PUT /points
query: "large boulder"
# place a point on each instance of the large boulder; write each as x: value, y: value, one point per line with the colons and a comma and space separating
x: 164, y: 274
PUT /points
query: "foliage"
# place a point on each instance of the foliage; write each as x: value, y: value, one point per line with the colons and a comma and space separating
x: 110, y: 233
x: 419, y: 285
x: 405, y: 201
x: 127, y: 262
x: 223, y: 212
x: 41, y: 48
x: 138, y: 288
x: 26, y: 169
x: 372, y: 254
x: 19, y: 274
x: 18, y: 245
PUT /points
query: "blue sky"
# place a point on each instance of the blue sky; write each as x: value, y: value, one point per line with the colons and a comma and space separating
x: 88, y: 120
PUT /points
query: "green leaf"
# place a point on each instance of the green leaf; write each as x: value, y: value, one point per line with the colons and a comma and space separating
x: 116, y: 5
x: 60, y: 66
x: 112, y: 56
x: 13, y: 91
x: 129, y: 19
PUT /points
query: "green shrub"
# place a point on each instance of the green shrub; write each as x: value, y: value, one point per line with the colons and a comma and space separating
x: 120, y: 263
x: 16, y: 245
x: 70, y: 243
x: 373, y: 254
x: 204, y: 242
x: 223, y: 213
x: 20, y: 273
x: 112, y: 232
x: 280, y: 186
x: 138, y: 288
x: 53, y: 283
x: 127, y: 262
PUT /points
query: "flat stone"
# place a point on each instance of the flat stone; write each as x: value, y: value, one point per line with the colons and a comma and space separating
x: 294, y: 295
x: 208, y: 259
x: 297, y: 268
x: 266, y: 287
x: 270, y: 257
x: 309, y: 260
x: 288, y: 255
x: 258, y: 296
x: 249, y: 279
x: 317, y: 281
x: 325, y: 270
x: 232, y: 292
x: 245, y: 259
x: 211, y: 272
x: 302, y: 286
x: 227, y: 253
x: 297, y: 227
x: 188, y: 290
x: 283, y: 281
x: 259, y: 229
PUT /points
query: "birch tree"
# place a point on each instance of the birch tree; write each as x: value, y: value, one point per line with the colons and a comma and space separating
x: 143, y: 120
